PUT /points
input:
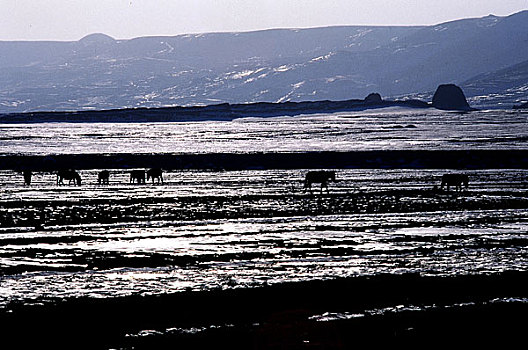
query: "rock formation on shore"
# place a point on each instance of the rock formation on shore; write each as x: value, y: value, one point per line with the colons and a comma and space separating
x: 521, y: 106
x: 373, y: 98
x: 450, y: 97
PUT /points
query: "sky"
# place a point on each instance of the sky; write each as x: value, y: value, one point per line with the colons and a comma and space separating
x: 124, y: 19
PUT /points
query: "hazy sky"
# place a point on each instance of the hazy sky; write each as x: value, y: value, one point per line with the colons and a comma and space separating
x: 121, y: 19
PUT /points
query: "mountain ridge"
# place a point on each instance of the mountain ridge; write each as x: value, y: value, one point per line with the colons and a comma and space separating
x: 276, y: 65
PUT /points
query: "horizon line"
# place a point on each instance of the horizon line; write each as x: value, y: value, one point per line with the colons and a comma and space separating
x: 261, y: 30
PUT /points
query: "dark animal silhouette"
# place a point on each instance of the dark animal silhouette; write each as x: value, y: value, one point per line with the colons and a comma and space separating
x: 103, y: 177
x: 455, y: 180
x: 321, y: 177
x: 155, y: 173
x: 137, y: 176
x: 27, y: 177
x: 70, y: 175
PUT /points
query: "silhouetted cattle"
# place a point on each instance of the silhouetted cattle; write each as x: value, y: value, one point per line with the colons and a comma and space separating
x: 321, y: 177
x: 455, y: 180
x: 70, y: 175
x: 103, y: 177
x: 155, y: 173
x: 137, y: 176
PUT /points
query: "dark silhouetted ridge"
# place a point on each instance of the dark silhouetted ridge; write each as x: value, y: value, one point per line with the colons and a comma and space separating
x: 224, y: 111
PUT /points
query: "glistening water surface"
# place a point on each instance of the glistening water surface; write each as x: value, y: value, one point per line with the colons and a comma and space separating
x: 203, y: 230
x: 204, y: 233
x: 385, y: 129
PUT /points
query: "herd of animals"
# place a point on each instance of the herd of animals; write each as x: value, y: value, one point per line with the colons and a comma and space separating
x: 103, y: 177
x: 142, y: 176
x: 323, y: 177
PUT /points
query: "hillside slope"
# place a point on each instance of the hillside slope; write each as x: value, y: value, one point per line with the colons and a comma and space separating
x: 333, y: 63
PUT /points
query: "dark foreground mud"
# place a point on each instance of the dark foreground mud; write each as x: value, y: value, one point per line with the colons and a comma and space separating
x: 335, y: 314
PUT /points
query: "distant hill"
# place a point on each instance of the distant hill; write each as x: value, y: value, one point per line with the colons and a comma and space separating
x: 500, y: 87
x: 332, y: 63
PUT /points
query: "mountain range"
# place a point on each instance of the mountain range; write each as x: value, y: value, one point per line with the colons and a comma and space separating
x: 487, y: 57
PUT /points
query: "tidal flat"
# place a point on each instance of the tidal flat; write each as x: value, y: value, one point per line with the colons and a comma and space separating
x: 249, y: 258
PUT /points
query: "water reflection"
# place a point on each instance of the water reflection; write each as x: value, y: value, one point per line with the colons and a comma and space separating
x: 347, y: 131
x: 201, y: 232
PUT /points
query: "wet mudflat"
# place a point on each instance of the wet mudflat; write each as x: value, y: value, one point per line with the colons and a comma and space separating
x: 246, y: 259
x: 249, y: 259
x: 381, y: 129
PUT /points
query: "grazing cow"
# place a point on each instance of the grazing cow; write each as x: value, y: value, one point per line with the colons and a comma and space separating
x: 454, y: 180
x: 27, y: 177
x: 137, y: 176
x: 70, y: 175
x: 103, y: 177
x: 155, y: 173
x: 321, y: 177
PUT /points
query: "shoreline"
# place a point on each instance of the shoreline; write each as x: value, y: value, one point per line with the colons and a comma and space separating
x: 393, y: 159
x: 218, y: 112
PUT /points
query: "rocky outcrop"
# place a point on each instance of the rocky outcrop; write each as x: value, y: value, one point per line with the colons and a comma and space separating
x: 450, y: 97
x: 523, y: 106
x: 373, y: 98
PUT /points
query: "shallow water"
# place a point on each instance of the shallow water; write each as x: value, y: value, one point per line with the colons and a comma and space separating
x: 210, y: 231
x: 204, y: 230
x: 385, y: 129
